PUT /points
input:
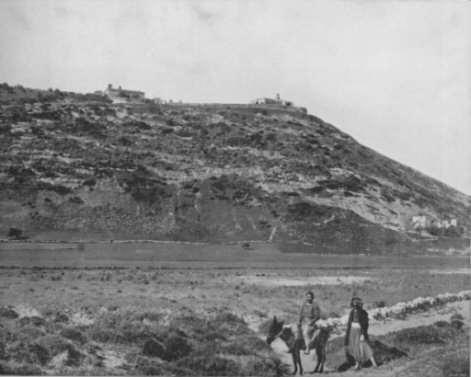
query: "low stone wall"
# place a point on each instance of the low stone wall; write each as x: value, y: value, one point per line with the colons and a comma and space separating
x: 239, y: 106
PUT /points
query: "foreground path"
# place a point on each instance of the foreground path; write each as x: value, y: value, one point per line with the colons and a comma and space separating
x: 401, y: 367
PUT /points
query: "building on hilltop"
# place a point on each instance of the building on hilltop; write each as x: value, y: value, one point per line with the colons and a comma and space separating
x: 120, y: 95
x: 272, y: 101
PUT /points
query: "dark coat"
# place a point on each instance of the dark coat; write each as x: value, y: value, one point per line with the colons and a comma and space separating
x: 362, y: 319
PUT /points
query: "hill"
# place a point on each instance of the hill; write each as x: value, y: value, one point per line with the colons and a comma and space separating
x: 79, y: 165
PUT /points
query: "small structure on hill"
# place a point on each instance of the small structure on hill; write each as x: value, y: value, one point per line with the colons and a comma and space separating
x: 277, y: 101
x: 420, y: 222
x: 120, y: 95
x: 423, y: 222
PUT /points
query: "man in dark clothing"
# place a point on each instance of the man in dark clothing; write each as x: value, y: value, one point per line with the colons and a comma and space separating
x: 308, y: 316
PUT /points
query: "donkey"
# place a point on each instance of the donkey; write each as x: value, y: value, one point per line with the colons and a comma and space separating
x: 295, y: 343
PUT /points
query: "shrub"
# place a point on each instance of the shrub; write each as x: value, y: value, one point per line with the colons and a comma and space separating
x: 8, y: 312
x: 266, y: 367
x: 74, y: 356
x: 148, y: 367
x: 22, y: 370
x: 31, y: 353
x: 61, y: 318
x: 456, y: 366
x: 210, y: 365
x: 74, y: 334
x: 457, y: 324
x: 457, y: 317
x: 55, y: 344
x: 16, y: 234
x: 439, y: 333
x: 153, y: 347
x: 380, y: 304
x: 247, y: 345
x: 35, y: 321
x: 39, y: 353
x: 176, y: 347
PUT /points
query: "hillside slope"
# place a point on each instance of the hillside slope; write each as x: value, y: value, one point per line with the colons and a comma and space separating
x: 77, y: 164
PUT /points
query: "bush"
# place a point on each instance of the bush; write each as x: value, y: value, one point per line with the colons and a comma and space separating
x: 35, y: 321
x: 16, y: 234
x: 456, y: 366
x: 39, y: 353
x: 61, y: 318
x: 74, y: 334
x: 154, y: 348
x: 266, y: 367
x: 210, y: 365
x: 31, y: 353
x: 439, y: 333
x: 176, y: 347
x: 8, y: 312
x: 55, y: 344
x: 245, y: 346
x: 74, y: 356
x: 457, y: 324
x: 148, y: 367
x: 22, y: 370
x: 457, y: 317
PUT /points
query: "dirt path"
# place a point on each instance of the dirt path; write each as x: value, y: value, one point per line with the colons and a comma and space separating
x: 381, y: 328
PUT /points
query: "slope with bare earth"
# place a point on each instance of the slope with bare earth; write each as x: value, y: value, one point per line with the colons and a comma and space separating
x: 77, y: 164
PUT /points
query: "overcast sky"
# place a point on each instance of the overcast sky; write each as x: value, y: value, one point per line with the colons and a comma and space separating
x: 396, y: 75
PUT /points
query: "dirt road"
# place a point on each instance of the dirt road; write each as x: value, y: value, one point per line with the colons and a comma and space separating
x: 398, y: 367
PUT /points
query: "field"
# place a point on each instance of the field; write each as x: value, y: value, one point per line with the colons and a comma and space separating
x: 181, y: 308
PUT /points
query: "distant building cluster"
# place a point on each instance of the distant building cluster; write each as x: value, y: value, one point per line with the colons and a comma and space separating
x: 272, y: 101
x: 421, y: 222
x: 120, y: 95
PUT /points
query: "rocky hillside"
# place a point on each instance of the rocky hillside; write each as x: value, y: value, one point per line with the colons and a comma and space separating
x: 77, y: 165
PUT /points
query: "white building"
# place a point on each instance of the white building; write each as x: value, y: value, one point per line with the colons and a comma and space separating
x: 419, y: 222
x: 120, y: 95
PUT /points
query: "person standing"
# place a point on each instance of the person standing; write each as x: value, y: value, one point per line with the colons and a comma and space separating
x: 356, y: 339
x: 308, y: 316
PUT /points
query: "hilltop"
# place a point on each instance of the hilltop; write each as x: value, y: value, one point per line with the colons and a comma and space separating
x: 79, y: 165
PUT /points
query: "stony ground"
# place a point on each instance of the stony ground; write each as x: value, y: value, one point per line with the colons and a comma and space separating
x: 101, y: 318
x: 80, y: 165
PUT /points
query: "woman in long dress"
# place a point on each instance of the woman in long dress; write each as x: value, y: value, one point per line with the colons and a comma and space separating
x: 356, y: 339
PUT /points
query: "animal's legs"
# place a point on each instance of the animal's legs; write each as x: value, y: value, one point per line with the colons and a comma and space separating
x: 316, y: 369
x: 295, y: 362
x: 298, y: 355
x: 321, y: 369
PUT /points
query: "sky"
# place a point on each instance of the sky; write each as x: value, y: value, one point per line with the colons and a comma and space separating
x: 396, y: 75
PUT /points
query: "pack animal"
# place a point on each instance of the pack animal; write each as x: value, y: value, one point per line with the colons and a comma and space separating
x: 295, y: 343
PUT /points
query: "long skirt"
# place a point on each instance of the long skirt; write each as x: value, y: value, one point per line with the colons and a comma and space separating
x: 359, y: 349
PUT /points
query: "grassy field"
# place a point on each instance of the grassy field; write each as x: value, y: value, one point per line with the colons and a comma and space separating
x: 156, y: 308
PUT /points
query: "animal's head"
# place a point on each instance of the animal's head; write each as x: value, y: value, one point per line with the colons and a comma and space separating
x: 274, y: 330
